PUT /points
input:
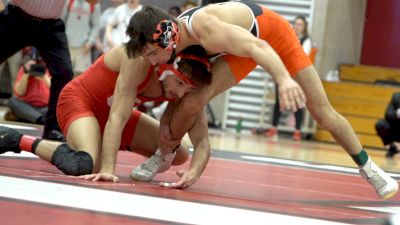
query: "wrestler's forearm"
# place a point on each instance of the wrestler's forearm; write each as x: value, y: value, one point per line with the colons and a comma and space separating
x: 181, y: 122
x: 109, y: 149
x: 199, y: 137
x: 200, y: 158
x: 169, y: 111
x: 119, y: 115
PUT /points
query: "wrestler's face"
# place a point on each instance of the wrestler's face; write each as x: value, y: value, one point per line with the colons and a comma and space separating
x: 174, y: 87
x: 155, y: 54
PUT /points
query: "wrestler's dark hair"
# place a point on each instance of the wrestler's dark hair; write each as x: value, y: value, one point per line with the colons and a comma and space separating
x: 198, y: 71
x: 142, y: 26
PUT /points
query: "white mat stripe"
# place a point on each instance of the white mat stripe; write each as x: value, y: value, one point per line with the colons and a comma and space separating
x: 140, y: 206
x: 309, y: 165
x: 14, y: 126
x: 392, y: 210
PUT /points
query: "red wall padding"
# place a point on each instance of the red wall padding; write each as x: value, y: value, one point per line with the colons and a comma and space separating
x: 381, y: 42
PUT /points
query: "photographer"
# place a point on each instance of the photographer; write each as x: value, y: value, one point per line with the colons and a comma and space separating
x: 31, y: 90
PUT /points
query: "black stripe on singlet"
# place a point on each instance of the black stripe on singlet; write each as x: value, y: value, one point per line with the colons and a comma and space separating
x: 257, y: 10
x: 190, y: 12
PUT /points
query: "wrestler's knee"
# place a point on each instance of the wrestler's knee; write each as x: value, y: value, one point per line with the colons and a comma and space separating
x: 72, y: 162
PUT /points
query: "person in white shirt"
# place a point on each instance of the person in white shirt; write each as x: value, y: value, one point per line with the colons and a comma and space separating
x: 116, y: 28
x: 82, y: 27
x: 101, y: 45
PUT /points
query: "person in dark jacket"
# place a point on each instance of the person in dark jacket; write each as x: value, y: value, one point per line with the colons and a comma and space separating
x: 388, y: 129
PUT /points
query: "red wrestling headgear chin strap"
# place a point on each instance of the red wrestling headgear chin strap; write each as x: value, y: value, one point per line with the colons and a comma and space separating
x: 166, y: 35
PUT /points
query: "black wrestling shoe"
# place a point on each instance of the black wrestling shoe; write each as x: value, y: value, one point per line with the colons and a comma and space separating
x: 9, y: 140
x: 54, y: 135
x: 391, y: 151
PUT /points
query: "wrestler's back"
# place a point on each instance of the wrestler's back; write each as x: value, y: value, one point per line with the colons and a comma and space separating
x: 231, y: 12
x: 113, y: 58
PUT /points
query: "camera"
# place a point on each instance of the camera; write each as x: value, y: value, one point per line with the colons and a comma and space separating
x: 37, y: 70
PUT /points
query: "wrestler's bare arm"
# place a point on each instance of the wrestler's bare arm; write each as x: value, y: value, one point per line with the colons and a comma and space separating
x: 237, y: 41
x: 167, y: 115
x: 240, y: 42
x: 198, y: 134
x: 166, y: 142
x: 131, y: 74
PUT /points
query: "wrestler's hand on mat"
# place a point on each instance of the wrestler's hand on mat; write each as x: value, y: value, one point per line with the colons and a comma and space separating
x: 187, y: 179
x: 291, y: 96
x: 166, y: 142
x: 100, y: 177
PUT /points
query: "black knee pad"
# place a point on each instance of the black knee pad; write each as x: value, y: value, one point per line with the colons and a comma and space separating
x: 72, y: 162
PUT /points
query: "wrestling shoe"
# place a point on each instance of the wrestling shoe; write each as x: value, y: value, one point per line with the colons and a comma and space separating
x: 385, y: 186
x: 296, y: 135
x: 157, y: 163
x: 272, y: 134
x: 392, y: 151
x: 9, y: 140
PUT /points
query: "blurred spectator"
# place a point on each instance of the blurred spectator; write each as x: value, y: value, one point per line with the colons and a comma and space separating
x: 175, y: 11
x: 188, y: 5
x: 100, y: 45
x: 119, y: 22
x: 388, y: 129
x: 82, y: 27
x: 300, y: 26
x: 13, y: 63
x: 31, y: 90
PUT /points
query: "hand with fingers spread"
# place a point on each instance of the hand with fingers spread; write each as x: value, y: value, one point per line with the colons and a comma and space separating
x: 101, y: 177
x: 187, y: 178
x: 291, y: 96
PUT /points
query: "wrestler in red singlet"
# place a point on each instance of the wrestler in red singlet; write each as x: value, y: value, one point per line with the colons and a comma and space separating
x: 90, y: 94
